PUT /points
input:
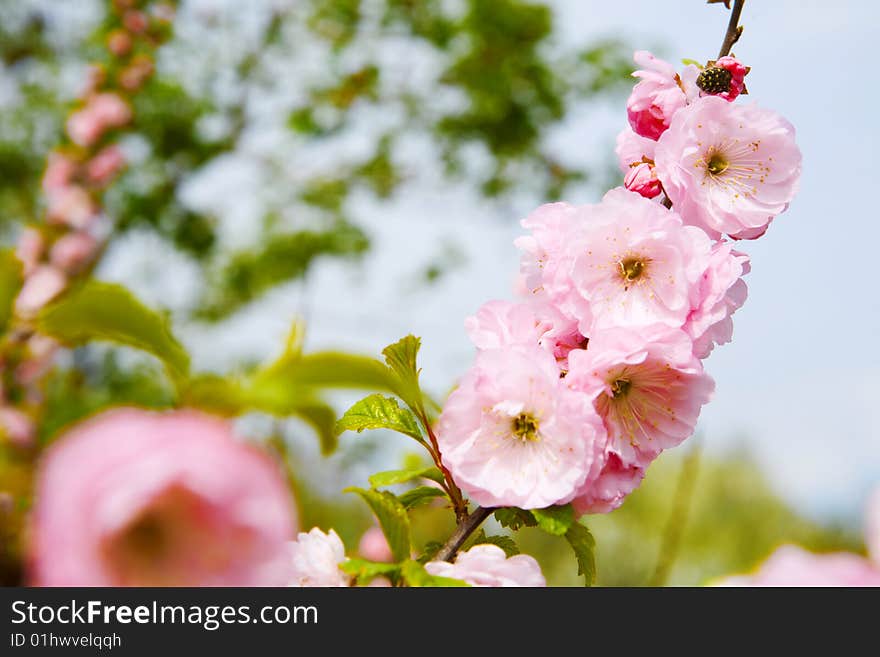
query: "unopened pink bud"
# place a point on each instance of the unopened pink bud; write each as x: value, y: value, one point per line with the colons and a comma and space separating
x: 71, y: 206
x: 59, y: 172
x: 642, y: 179
x: 374, y: 546
x: 16, y: 427
x: 119, y: 43
x: 105, y: 165
x: 135, y: 21
x: 73, y: 251
x: 43, y: 285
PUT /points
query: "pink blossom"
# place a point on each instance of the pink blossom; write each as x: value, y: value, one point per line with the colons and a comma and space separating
x: 500, y: 324
x: 631, y: 149
x: 793, y: 566
x: 135, y: 21
x: 105, y: 165
x: 59, y: 173
x: 17, y: 427
x: 73, y: 251
x: 488, y: 566
x: 40, y: 287
x: 119, y: 43
x: 546, y: 264
x: 728, y: 168
x: 102, y: 111
x: 724, y: 78
x: 642, y: 180
x: 137, y: 498
x: 872, y: 527
x: 722, y: 292
x: 29, y: 249
x: 610, y: 489
x: 71, y: 206
x: 374, y: 546
x: 315, y: 558
x: 634, y: 263
x: 655, y: 99
x: 647, y: 385
x: 512, y: 434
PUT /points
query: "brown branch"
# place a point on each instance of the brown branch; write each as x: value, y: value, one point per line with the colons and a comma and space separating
x: 467, y: 526
x: 734, y: 29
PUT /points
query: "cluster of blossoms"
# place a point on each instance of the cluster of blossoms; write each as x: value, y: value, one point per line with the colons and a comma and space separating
x: 596, y: 368
x: 790, y: 565
x: 65, y: 245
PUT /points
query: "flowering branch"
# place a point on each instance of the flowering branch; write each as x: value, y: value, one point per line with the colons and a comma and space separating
x: 467, y: 526
x: 734, y: 29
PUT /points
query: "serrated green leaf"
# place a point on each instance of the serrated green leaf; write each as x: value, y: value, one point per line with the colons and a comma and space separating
x: 10, y: 284
x: 401, y: 358
x: 420, y: 495
x: 554, y: 520
x: 415, y: 575
x: 584, y: 546
x: 506, y: 543
x: 391, y: 477
x: 107, y: 311
x: 365, y: 571
x: 514, y: 518
x: 392, y: 518
x: 380, y: 412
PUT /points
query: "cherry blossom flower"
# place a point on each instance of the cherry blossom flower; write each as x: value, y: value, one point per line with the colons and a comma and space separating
x: 656, y: 98
x: 729, y: 169
x: 105, y: 165
x: 610, y: 488
x: 631, y: 149
x: 71, y: 206
x: 512, y: 434
x: 29, y: 249
x: 73, y: 251
x: 40, y: 287
x: 647, y: 385
x: 101, y: 111
x: 488, y: 566
x: 722, y: 292
x: 138, y: 498
x: 315, y: 558
x: 793, y: 566
x: 634, y: 263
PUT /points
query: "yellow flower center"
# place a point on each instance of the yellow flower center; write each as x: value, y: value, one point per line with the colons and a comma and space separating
x: 525, y: 427
x: 620, y: 388
x: 717, y: 164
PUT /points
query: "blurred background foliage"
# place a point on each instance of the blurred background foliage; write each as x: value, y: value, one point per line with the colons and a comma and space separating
x: 329, y: 99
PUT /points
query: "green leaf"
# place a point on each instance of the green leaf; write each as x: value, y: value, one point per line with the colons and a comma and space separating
x: 430, y: 551
x: 414, y: 574
x: 365, y: 571
x: 401, y: 358
x: 392, y: 518
x: 554, y: 520
x: 107, y: 311
x: 322, y: 418
x: 391, y: 477
x: 420, y: 495
x: 10, y: 284
x: 380, y: 412
x: 506, y: 543
x: 514, y: 518
x: 688, y: 62
x: 327, y: 369
x: 584, y: 546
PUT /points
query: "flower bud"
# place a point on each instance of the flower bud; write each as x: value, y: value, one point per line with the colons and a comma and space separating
x: 642, y: 179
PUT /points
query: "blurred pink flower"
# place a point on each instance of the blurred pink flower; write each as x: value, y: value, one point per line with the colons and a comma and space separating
x: 729, y: 169
x: 512, y: 434
x: 105, y: 165
x: 488, y: 566
x: 722, y: 292
x: 101, y: 111
x: 647, y: 385
x: 315, y: 558
x: 138, y: 498
x: 29, y: 249
x: 73, y: 251
x: 374, y: 546
x: 40, y: 287
x: 135, y: 21
x: 71, y: 206
x: 17, y: 427
x: 793, y: 566
x: 39, y: 358
x: 59, y: 173
x: 656, y: 98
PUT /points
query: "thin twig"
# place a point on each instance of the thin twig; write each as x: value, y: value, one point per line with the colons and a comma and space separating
x: 734, y: 29
x: 465, y: 528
